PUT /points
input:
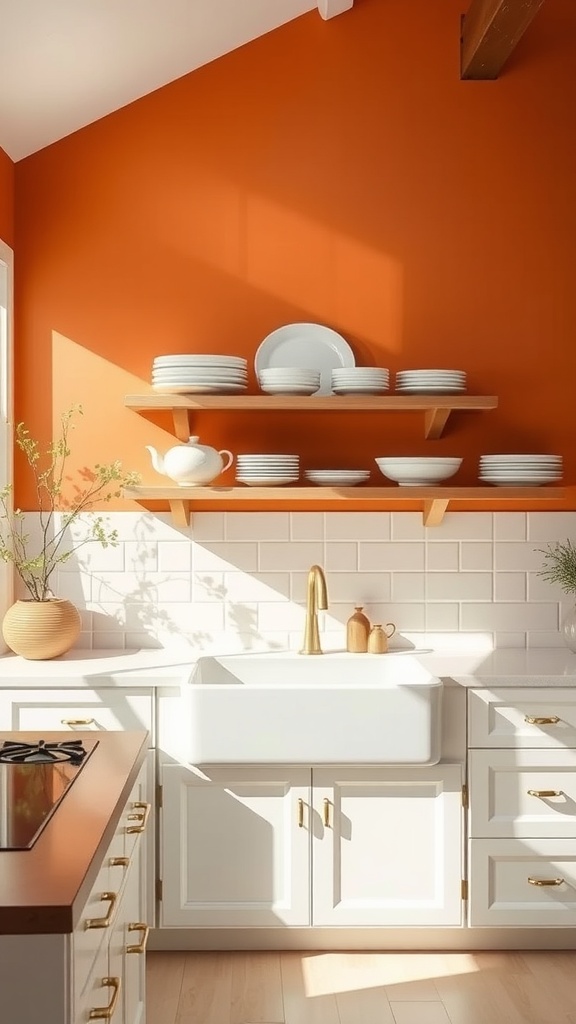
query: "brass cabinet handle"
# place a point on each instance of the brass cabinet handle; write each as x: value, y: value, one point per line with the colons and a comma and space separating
x: 326, y: 812
x: 119, y: 862
x: 77, y: 721
x: 103, y: 922
x: 139, y: 926
x: 544, y: 792
x: 535, y: 720
x: 545, y: 881
x: 300, y: 812
x: 141, y: 818
x: 107, y: 1012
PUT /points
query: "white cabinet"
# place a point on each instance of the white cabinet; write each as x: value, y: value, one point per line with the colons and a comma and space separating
x: 261, y: 846
x: 522, y: 821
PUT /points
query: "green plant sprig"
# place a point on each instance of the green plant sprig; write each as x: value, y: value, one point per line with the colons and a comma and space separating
x: 560, y: 565
x: 101, y: 484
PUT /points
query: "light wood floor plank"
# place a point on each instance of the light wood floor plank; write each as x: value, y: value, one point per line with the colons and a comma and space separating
x: 164, y: 973
x: 419, y: 1013
x: 301, y: 1006
x: 256, y: 989
x: 364, y: 1006
x: 206, y: 989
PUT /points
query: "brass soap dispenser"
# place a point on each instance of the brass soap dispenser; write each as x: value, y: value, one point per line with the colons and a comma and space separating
x: 357, y: 632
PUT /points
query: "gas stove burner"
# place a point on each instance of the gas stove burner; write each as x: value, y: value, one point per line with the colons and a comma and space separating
x: 42, y: 752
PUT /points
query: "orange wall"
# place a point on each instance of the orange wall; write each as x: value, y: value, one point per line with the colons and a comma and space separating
x: 336, y: 172
x: 6, y: 199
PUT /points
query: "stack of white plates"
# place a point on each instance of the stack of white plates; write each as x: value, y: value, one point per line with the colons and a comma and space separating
x: 434, y: 382
x: 199, y: 374
x: 337, y: 477
x: 520, y: 470
x: 267, y: 470
x: 289, y: 380
x: 360, y: 380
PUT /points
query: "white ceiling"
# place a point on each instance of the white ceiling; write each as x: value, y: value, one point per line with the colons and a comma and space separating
x: 66, y: 63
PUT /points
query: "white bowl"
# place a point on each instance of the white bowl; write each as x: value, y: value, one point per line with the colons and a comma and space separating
x: 418, y: 472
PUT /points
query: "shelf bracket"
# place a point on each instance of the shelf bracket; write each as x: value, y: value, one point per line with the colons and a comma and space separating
x: 180, y: 510
x: 181, y: 424
x: 434, y: 510
x: 434, y: 423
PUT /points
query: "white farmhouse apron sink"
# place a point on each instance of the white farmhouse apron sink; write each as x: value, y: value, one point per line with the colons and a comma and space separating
x: 336, y: 708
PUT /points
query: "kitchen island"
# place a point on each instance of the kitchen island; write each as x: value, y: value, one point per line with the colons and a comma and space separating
x: 71, y: 905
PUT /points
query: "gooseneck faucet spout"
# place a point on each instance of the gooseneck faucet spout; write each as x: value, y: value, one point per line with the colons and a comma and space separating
x: 316, y: 599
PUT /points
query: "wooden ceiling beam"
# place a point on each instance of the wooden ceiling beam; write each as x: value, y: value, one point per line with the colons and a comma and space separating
x: 490, y: 32
x: 330, y: 8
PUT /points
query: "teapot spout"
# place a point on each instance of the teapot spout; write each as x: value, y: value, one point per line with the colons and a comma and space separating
x: 157, y: 459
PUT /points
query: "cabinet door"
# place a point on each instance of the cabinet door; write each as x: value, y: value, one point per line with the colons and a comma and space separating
x: 522, y: 717
x: 235, y: 846
x: 387, y: 846
x: 522, y: 793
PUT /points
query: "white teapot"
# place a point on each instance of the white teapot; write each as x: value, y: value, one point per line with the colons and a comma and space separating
x: 191, y: 464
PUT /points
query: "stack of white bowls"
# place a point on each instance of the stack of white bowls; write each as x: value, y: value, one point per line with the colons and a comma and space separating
x: 360, y: 380
x: 289, y: 380
x: 520, y: 470
x: 199, y: 374
x: 435, y: 382
x: 337, y: 477
x: 267, y: 470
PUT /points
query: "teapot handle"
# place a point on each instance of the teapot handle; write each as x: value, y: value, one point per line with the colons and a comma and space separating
x: 392, y: 629
x: 224, y: 451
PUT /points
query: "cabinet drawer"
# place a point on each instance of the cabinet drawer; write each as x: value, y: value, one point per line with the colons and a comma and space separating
x: 96, y: 709
x: 522, y: 793
x: 526, y: 882
x: 522, y: 717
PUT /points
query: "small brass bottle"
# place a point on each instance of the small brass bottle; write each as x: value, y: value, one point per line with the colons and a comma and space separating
x: 357, y: 630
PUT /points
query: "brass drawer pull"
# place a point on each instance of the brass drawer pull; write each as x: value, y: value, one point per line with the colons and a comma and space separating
x: 77, y: 721
x: 535, y: 720
x: 141, y: 818
x: 300, y: 812
x: 107, y: 1012
x: 326, y: 813
x: 545, y: 881
x: 544, y: 792
x: 103, y: 922
x: 139, y: 926
x: 119, y: 862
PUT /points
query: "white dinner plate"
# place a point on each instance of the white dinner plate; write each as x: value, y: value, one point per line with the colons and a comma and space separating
x: 199, y: 389
x: 266, y: 481
x: 305, y: 345
x: 200, y: 360
x: 427, y: 389
x: 359, y: 389
x: 289, y: 389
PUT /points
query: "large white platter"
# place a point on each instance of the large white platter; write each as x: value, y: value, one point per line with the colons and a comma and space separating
x: 306, y: 345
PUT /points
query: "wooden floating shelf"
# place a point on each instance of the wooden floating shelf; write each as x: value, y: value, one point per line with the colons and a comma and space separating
x: 436, y: 408
x: 433, y: 501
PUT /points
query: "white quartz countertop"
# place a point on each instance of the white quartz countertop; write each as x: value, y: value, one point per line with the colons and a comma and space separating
x: 511, y: 667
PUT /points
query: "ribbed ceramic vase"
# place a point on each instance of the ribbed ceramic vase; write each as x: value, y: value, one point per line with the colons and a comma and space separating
x: 38, y: 630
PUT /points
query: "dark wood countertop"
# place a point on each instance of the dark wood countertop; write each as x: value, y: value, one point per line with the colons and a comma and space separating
x: 43, y: 890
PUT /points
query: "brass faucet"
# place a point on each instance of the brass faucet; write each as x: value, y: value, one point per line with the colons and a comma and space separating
x: 316, y: 598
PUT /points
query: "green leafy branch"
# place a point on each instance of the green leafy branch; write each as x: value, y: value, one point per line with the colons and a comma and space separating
x: 560, y: 565
x: 101, y: 484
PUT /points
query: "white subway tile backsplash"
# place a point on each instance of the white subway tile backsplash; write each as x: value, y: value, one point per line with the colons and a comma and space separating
x: 258, y: 526
x: 510, y: 617
x: 341, y: 556
x: 238, y: 580
x: 510, y: 586
x: 443, y: 556
x: 459, y: 586
x: 399, y: 556
x: 221, y: 556
x: 290, y: 556
x: 357, y: 525
x: 408, y: 586
x: 510, y: 525
x: 476, y: 555
x: 307, y: 526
